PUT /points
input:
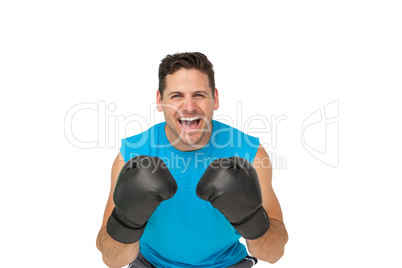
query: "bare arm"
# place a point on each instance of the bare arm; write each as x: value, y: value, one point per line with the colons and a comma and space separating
x: 270, y: 247
x: 114, y: 253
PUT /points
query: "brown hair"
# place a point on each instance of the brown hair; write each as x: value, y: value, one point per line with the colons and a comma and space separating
x: 187, y: 60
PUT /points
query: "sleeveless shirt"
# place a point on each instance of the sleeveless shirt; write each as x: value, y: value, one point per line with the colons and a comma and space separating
x: 186, y: 231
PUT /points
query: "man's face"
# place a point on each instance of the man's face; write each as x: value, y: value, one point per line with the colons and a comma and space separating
x: 188, y: 106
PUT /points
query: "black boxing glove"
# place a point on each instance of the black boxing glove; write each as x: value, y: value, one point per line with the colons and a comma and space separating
x: 143, y: 183
x: 232, y: 186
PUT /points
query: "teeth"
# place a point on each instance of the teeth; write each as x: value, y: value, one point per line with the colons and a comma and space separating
x: 188, y: 118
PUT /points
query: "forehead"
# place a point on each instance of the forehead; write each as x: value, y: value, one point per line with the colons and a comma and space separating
x: 187, y: 80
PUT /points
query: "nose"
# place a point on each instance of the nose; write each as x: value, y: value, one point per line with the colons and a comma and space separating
x: 188, y: 105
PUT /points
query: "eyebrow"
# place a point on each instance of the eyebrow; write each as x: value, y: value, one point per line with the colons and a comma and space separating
x: 174, y: 92
x: 179, y: 92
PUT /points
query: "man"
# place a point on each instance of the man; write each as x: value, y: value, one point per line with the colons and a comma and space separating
x: 185, y: 191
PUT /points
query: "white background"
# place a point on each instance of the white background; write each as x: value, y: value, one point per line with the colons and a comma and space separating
x: 278, y: 58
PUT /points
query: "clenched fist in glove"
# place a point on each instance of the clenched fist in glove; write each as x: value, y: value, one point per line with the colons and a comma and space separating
x: 232, y: 186
x: 143, y: 183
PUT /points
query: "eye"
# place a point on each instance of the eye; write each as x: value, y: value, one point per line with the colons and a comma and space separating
x: 175, y: 96
x: 199, y: 95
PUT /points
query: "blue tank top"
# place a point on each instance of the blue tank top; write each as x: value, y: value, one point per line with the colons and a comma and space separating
x: 186, y: 231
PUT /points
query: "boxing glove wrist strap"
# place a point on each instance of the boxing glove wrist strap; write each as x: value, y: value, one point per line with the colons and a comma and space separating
x: 255, y: 226
x: 121, y: 232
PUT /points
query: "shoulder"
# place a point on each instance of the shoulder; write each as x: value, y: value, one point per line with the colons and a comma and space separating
x: 118, y: 164
x: 261, y: 155
x: 261, y: 159
x: 262, y: 165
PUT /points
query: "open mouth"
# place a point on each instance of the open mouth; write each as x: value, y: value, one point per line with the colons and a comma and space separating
x: 189, y: 123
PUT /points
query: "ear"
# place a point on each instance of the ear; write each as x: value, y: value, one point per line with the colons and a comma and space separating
x: 216, y: 99
x: 158, y: 101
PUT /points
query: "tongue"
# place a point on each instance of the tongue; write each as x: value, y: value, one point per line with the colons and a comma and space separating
x: 189, y: 124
